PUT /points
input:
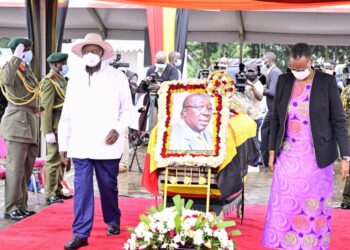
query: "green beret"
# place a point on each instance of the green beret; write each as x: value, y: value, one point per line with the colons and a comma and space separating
x: 15, y: 41
x: 57, y: 57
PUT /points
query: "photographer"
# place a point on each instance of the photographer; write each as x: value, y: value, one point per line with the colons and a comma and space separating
x: 160, y: 71
x: 254, y: 91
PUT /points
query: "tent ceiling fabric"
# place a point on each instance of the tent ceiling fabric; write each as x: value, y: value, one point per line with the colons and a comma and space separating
x: 232, y: 4
x: 287, y: 27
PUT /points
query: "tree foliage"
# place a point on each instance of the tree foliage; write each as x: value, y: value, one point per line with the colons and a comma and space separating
x: 201, y: 55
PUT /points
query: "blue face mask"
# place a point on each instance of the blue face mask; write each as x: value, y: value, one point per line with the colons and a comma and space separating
x: 64, y: 70
x: 27, y: 56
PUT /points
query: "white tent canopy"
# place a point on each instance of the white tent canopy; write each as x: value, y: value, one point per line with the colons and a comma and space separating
x: 320, y: 26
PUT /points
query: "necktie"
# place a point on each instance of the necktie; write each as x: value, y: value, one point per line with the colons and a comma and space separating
x: 202, y: 141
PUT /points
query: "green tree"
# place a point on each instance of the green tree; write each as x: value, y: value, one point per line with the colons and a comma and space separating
x: 4, y: 42
x: 201, y: 55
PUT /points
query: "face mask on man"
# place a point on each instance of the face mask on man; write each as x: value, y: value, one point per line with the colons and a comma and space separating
x: 178, y: 63
x: 329, y: 71
x: 27, y: 56
x: 160, y: 66
x: 64, y: 70
x: 91, y: 59
x: 251, y: 75
x: 301, y: 75
x: 222, y: 66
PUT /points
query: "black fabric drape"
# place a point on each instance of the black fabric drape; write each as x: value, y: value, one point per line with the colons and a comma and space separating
x: 182, y: 17
x: 61, y: 21
x: 33, y: 26
x: 51, y: 28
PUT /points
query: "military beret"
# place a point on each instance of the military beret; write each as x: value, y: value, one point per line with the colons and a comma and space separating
x: 57, y: 57
x: 15, y: 41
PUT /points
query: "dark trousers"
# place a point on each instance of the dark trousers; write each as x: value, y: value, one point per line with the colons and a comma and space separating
x: 106, y: 175
x: 256, y: 158
x: 265, y: 134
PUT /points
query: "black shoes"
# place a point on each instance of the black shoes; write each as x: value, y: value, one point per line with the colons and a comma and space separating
x: 28, y: 213
x: 344, y: 206
x: 53, y: 199
x: 76, y: 243
x: 15, y: 215
x: 65, y: 196
x: 113, y: 230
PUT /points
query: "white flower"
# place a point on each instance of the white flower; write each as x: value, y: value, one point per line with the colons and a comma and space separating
x: 177, y: 238
x: 140, y: 229
x: 147, y: 236
x: 198, y: 237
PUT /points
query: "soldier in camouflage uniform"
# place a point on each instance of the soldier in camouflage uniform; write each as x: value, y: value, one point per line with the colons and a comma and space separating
x: 52, y: 91
x: 19, y: 126
x: 345, y: 97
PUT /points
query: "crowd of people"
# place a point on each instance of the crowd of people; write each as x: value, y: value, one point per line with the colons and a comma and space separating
x: 303, y: 126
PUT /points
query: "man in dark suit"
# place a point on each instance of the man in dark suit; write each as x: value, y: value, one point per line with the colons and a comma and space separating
x: 272, y: 74
x: 163, y: 70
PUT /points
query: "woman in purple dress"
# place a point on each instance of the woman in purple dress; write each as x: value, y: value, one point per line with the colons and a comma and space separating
x: 307, y: 124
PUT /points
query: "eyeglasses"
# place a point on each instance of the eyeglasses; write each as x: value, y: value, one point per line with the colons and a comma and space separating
x: 201, y: 109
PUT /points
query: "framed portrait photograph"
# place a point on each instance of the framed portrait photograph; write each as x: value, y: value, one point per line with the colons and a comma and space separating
x: 192, y: 123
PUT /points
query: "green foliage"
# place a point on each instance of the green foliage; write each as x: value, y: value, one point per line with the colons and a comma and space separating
x: 236, y: 233
x: 201, y: 55
x: 145, y: 219
x: 177, y: 221
x: 4, y: 42
x: 189, y: 204
x: 178, y: 202
x: 225, y: 224
x: 152, y: 210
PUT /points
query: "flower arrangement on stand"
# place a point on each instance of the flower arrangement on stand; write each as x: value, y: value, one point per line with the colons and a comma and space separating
x: 180, y: 227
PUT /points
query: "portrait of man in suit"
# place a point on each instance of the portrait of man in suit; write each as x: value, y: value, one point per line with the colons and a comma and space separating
x: 192, y: 131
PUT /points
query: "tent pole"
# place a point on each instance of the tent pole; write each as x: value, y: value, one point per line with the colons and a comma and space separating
x: 241, y: 51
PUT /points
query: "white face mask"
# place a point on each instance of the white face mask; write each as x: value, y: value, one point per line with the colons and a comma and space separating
x: 178, y: 63
x: 64, y: 70
x: 160, y: 66
x: 329, y: 71
x: 91, y: 60
x: 27, y: 56
x: 222, y: 66
x: 301, y: 75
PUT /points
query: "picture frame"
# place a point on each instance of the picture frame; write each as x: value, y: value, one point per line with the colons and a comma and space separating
x: 206, y: 104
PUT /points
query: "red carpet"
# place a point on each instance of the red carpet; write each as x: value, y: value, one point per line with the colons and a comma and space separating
x: 51, y: 228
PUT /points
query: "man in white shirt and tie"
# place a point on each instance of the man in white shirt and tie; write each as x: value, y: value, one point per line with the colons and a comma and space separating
x: 91, y: 132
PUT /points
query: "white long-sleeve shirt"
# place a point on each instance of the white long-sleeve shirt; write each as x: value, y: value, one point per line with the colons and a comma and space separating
x: 93, y: 107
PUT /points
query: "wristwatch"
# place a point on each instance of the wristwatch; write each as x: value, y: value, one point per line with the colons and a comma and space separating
x: 346, y: 158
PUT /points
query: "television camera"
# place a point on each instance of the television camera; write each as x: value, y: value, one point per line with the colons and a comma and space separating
x: 117, y: 62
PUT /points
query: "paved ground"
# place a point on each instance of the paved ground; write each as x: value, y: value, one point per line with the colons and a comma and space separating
x: 257, y: 188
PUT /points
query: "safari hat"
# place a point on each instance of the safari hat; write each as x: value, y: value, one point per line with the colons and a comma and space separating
x: 93, y: 39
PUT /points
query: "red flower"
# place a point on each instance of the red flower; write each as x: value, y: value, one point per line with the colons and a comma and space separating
x: 192, y: 228
x: 195, y: 215
x: 171, y: 234
x: 217, y: 83
x: 215, y: 227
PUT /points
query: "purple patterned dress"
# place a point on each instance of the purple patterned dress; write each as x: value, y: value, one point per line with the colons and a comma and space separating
x: 300, y: 204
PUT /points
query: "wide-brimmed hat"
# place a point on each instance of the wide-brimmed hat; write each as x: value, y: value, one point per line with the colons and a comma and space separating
x: 94, y: 39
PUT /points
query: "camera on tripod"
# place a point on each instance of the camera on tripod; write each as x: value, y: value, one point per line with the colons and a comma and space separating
x: 146, y: 83
x: 241, y: 81
x: 116, y: 63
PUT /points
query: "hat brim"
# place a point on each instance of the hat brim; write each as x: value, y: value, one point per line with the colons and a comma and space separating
x: 107, y: 48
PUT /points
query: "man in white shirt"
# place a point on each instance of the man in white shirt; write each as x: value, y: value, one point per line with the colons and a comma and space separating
x: 94, y: 118
x: 191, y: 132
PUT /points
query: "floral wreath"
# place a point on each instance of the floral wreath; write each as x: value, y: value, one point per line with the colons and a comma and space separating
x: 220, y: 86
